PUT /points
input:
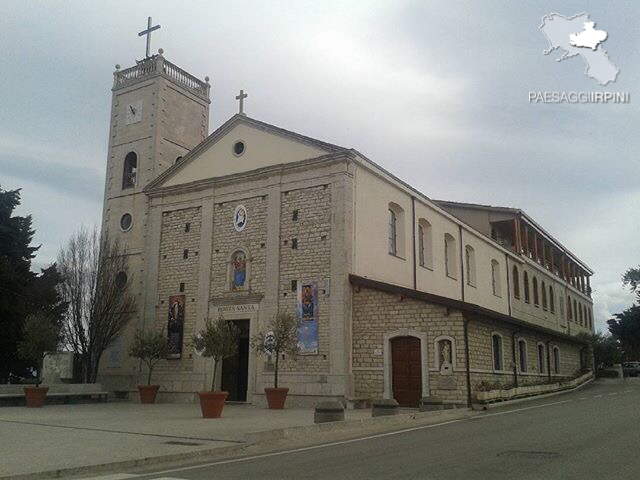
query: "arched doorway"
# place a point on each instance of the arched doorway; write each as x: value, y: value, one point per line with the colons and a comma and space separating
x: 406, y: 370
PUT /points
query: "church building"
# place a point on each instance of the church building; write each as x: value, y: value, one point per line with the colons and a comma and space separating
x: 395, y: 295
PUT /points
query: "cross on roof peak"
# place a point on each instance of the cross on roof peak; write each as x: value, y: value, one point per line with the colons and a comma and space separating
x: 241, y: 97
x: 147, y: 32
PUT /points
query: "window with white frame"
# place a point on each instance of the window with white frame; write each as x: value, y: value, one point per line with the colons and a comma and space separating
x: 425, y: 244
x: 541, y: 358
x: 396, y: 230
x: 450, y: 256
x: 470, y: 259
x: 496, y: 283
x: 522, y: 355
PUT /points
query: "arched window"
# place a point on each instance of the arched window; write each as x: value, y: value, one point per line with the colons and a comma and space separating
x: 527, y: 295
x: 396, y: 230
x: 590, y: 319
x: 580, y: 317
x: 496, y: 283
x: 552, y: 300
x: 544, y: 295
x: 541, y: 359
x: 393, y: 232
x: 536, y: 298
x: 450, y: 263
x: 575, y: 311
x: 470, y: 255
x: 569, y: 309
x: 522, y: 355
x: 425, y: 244
x: 556, y: 360
x: 130, y: 170
x: 516, y: 282
x: 496, y: 350
x: 561, y: 299
x: 238, y: 270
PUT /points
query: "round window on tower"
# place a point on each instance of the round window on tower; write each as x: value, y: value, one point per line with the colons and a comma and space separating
x: 121, y: 279
x: 125, y: 222
x: 238, y: 148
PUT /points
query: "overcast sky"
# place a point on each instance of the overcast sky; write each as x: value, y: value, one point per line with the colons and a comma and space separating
x: 436, y: 92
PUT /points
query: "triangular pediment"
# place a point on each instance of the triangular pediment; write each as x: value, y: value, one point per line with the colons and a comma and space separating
x: 264, y: 145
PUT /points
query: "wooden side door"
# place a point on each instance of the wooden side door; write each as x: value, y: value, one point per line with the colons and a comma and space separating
x: 406, y: 368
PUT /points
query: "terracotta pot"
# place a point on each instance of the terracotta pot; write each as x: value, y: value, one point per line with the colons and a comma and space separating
x: 148, y: 393
x: 35, y: 396
x: 276, y: 397
x: 212, y: 403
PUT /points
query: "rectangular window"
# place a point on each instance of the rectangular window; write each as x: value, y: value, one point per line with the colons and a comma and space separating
x: 496, y: 341
x: 294, y: 217
x: 185, y: 254
x: 294, y: 243
x: 187, y: 227
x: 182, y: 287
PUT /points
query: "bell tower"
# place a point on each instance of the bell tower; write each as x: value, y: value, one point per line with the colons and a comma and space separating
x: 159, y: 112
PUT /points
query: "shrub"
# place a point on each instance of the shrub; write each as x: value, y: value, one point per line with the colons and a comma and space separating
x: 150, y: 347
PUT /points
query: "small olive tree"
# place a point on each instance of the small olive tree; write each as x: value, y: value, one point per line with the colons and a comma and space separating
x: 39, y: 337
x: 280, y: 337
x: 150, y: 347
x: 218, y: 340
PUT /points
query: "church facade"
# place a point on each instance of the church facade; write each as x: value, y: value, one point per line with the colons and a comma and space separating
x: 395, y: 295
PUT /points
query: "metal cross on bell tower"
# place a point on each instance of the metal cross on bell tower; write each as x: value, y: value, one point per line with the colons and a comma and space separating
x: 147, y: 32
x: 241, y: 97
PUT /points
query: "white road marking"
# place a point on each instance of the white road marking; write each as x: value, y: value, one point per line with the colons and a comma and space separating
x: 583, y: 398
x: 114, y: 476
x: 627, y: 391
x: 597, y: 396
x: 519, y: 410
x: 614, y: 393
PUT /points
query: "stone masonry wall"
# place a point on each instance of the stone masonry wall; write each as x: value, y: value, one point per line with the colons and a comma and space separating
x: 376, y: 313
x: 174, y: 269
x: 310, y: 261
x: 227, y: 240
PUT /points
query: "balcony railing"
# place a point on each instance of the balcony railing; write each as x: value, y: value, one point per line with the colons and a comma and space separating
x: 158, y: 65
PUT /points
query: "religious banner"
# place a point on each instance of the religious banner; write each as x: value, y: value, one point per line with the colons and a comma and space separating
x: 307, y: 318
x: 176, y: 324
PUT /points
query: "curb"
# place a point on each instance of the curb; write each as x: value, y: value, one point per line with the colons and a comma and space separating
x: 388, y: 421
x: 489, y: 406
x: 355, y: 427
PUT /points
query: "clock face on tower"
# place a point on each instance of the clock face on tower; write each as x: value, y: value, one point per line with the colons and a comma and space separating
x: 134, y: 112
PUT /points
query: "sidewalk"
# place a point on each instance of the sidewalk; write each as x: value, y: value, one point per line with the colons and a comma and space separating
x: 59, y: 437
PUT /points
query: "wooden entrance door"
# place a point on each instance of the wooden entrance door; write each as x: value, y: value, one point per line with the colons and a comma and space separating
x: 406, y: 368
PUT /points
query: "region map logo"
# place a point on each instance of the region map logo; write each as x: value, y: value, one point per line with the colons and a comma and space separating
x: 577, y: 36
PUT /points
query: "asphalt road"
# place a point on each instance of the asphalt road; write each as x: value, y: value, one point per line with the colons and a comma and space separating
x: 591, y: 433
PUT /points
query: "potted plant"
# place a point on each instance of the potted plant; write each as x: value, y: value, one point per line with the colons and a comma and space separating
x: 218, y: 340
x: 39, y: 337
x: 280, y: 338
x: 150, y: 347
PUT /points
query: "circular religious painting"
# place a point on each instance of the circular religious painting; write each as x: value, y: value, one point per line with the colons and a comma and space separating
x: 240, y: 218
